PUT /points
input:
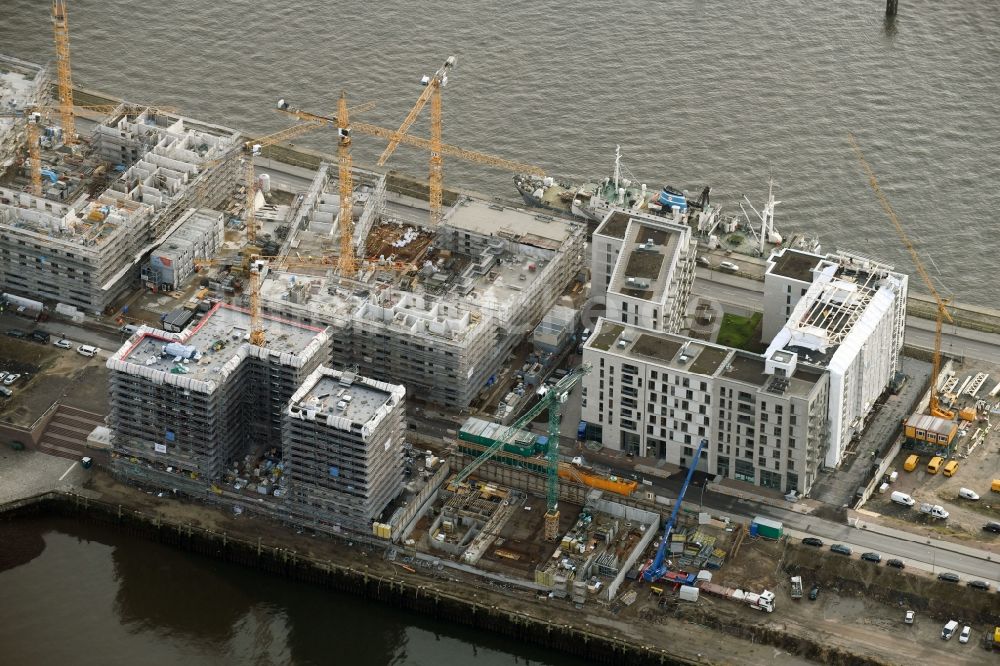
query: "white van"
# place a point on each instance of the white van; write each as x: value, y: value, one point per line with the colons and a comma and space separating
x: 902, y: 498
x: 87, y: 350
x: 949, y: 630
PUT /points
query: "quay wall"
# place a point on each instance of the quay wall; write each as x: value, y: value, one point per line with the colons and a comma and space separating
x: 414, y: 593
x: 420, y: 596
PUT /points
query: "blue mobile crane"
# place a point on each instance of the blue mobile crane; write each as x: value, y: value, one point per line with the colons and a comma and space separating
x: 658, y: 568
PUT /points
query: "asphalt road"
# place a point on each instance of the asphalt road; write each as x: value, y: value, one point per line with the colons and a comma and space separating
x: 919, y: 332
x: 106, y: 342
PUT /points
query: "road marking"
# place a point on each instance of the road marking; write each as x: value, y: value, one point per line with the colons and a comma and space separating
x: 67, y: 471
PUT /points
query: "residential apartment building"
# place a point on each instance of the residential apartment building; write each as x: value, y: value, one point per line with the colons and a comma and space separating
x: 343, y: 447
x: 198, y: 400
x: 446, y: 330
x: 657, y: 395
x: 643, y: 267
x: 850, y: 322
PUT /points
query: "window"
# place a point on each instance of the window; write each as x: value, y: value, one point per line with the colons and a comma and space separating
x: 745, y: 471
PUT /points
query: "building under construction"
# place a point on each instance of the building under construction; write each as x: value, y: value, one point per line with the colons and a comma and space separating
x: 343, y: 447
x: 195, y: 402
x: 437, y: 309
x: 22, y: 88
x: 81, y: 242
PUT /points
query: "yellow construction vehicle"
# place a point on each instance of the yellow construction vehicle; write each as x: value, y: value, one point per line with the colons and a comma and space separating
x: 935, y: 408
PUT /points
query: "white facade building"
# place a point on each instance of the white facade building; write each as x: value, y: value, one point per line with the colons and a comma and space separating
x: 657, y: 395
x: 849, y: 322
x: 643, y: 266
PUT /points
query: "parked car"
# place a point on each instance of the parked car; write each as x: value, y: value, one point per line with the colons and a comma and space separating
x: 703, y: 261
x: 840, y: 549
x: 949, y: 630
x: 6, y: 392
x: 38, y: 335
x: 871, y: 557
x: 908, y: 618
x: 728, y: 266
x: 86, y: 350
x: 16, y: 333
x: 948, y: 577
x: 895, y: 564
x: 992, y: 526
x: 813, y: 592
x: 967, y: 493
x: 812, y: 541
x: 63, y: 344
x: 3, y: 375
x: 10, y: 379
x: 964, y: 636
x: 979, y: 584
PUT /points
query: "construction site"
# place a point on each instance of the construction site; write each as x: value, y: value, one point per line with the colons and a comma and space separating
x: 279, y: 342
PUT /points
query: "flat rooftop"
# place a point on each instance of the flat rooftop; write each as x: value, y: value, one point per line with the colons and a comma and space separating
x: 614, y: 225
x: 795, y: 264
x: 667, y: 349
x: 200, y: 353
x: 646, y: 261
x: 530, y: 228
x: 343, y: 395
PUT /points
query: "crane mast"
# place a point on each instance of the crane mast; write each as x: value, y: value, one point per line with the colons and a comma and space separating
x: 60, y: 28
x: 34, y: 152
x: 551, y: 401
x: 432, y: 92
x: 942, y: 303
x: 347, y: 262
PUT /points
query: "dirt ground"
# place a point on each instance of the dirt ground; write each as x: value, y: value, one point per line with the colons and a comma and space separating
x: 688, y: 641
x: 49, y: 374
x: 522, y: 537
x: 966, y: 517
x: 864, y: 605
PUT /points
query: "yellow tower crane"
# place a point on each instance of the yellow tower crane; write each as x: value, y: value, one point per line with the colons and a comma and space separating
x: 252, y: 149
x: 35, y: 152
x: 439, y: 149
x: 348, y: 264
x: 432, y: 91
x: 60, y: 27
x: 942, y: 304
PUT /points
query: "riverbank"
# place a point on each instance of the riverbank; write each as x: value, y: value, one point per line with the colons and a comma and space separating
x: 589, y: 632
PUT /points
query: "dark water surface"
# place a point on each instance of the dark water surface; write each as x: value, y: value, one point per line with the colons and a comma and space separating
x: 72, y: 594
x: 696, y: 92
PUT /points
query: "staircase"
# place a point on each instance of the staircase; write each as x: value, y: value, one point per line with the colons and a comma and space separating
x: 66, y: 434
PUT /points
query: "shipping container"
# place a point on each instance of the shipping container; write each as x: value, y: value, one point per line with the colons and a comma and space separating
x: 767, y: 528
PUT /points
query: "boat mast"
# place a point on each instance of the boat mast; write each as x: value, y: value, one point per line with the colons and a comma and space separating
x: 618, y: 165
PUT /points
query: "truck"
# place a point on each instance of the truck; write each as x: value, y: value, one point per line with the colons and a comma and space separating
x: 767, y: 528
x: 934, y: 511
x: 796, y: 587
x: 762, y: 602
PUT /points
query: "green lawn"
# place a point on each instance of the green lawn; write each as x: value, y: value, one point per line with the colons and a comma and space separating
x: 740, y: 332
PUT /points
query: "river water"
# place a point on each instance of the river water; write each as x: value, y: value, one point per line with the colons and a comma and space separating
x: 76, y: 594
x: 696, y: 92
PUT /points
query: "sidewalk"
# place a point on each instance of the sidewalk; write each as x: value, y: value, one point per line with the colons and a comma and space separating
x: 865, y: 520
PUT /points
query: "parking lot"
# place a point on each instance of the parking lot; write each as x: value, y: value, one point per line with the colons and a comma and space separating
x: 49, y: 373
x: 978, y: 465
